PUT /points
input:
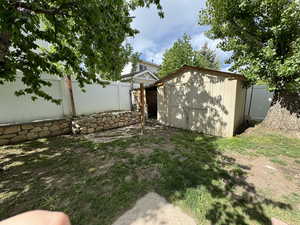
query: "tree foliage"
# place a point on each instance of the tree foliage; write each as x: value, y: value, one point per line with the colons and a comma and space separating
x: 264, y: 36
x: 83, y: 38
x: 182, y: 53
x: 134, y: 59
x: 210, y: 56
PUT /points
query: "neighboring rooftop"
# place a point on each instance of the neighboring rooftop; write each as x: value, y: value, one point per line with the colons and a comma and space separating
x: 149, y: 63
x: 132, y: 74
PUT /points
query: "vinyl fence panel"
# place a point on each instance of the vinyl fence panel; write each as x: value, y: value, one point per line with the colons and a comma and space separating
x: 15, y: 109
x: 96, y: 98
x: 258, y: 102
x: 124, y: 96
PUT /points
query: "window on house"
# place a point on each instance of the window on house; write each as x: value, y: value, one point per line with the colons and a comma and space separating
x: 142, y: 67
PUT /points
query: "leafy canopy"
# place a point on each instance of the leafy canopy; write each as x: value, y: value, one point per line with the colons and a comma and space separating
x: 134, y: 59
x: 82, y: 38
x: 182, y: 53
x: 264, y: 36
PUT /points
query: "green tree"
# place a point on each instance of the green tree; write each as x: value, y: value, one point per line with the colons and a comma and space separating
x: 182, y: 53
x: 264, y: 36
x: 210, y: 56
x: 82, y: 38
x: 134, y: 59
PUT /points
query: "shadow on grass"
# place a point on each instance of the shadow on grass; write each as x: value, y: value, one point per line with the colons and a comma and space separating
x: 96, y: 183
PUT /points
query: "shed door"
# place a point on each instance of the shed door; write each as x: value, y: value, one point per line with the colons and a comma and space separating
x: 196, y: 108
x: 199, y: 110
x: 207, y: 108
x: 178, y: 105
x: 151, y: 99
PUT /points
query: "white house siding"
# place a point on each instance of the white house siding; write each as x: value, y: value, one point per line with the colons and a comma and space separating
x: 145, y: 78
x: 128, y: 68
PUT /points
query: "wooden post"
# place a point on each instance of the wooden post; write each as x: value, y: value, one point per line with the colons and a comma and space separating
x: 131, y: 94
x: 69, y: 85
x: 142, y: 107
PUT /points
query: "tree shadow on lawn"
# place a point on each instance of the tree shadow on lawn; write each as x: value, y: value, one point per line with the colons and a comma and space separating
x: 96, y: 183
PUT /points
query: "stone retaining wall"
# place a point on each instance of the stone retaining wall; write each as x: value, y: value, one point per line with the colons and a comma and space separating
x: 103, y: 121
x: 86, y: 124
x: 15, y: 133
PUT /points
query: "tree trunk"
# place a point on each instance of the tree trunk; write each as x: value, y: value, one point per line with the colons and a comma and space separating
x: 284, y: 113
x: 4, y: 45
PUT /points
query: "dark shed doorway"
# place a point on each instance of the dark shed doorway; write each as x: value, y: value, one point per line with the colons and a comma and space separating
x: 151, y: 99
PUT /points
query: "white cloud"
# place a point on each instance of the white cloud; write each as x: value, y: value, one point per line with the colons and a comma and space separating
x: 156, y: 34
x: 180, y: 16
x: 142, y: 44
x: 198, y: 40
x: 156, y: 57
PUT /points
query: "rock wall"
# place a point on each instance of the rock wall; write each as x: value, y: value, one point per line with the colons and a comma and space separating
x: 15, y: 133
x: 87, y: 124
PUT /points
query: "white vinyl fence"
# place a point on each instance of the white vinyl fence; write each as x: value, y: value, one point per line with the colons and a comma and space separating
x: 115, y: 96
x: 13, y: 109
x: 258, y: 102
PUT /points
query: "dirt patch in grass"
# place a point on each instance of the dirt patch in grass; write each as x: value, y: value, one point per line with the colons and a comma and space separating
x: 266, y: 175
x: 259, y: 129
x: 271, y: 159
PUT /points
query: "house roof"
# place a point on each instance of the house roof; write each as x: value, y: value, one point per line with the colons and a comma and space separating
x: 149, y: 63
x: 132, y: 74
x: 200, y: 69
x: 136, y: 74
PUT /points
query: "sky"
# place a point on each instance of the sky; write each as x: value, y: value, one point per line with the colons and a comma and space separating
x: 156, y: 34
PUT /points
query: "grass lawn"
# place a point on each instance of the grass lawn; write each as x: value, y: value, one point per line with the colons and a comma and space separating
x: 206, y: 176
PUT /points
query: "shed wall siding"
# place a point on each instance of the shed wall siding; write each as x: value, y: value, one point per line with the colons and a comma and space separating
x: 200, y: 102
x: 240, y: 105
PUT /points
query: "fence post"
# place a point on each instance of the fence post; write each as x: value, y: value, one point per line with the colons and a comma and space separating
x: 119, y: 97
x: 70, y: 89
x: 250, y: 103
x: 142, y: 100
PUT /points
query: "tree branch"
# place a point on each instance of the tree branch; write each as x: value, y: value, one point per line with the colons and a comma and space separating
x: 4, y: 44
x: 250, y: 36
x: 51, y: 11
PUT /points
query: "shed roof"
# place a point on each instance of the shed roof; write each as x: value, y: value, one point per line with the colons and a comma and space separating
x: 200, y: 69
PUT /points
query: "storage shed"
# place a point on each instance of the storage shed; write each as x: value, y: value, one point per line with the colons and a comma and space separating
x: 204, y: 100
